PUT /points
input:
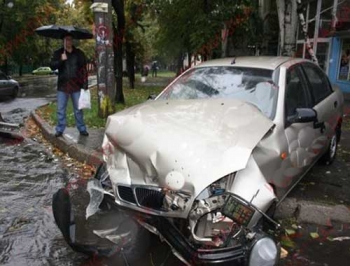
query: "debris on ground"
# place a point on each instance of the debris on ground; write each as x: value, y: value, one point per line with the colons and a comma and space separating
x: 33, y: 132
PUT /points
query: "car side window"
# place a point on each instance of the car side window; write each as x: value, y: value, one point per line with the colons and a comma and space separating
x: 319, y: 84
x: 295, y: 94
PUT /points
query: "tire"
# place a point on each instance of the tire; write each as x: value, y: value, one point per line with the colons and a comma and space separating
x: 329, y: 156
x: 139, y: 240
x: 15, y: 92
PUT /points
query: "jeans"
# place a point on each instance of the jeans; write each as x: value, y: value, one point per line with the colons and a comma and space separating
x: 62, y: 100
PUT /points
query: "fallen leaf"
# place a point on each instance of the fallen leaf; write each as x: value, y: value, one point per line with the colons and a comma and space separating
x: 3, y: 210
x: 290, y: 231
x: 284, y: 253
x: 287, y: 242
x: 294, y: 226
x: 314, y: 235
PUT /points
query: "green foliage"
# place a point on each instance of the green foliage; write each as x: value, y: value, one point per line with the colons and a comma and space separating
x: 20, y: 45
x: 18, y: 40
x: 195, y: 26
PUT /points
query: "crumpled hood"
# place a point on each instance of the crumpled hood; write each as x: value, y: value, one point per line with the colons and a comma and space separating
x: 203, y: 140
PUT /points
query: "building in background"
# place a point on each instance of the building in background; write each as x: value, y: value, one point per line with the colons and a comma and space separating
x: 328, y: 25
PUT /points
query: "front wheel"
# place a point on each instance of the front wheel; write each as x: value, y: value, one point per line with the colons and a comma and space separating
x: 329, y: 156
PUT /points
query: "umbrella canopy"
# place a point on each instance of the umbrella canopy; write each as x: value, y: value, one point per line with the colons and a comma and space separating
x: 58, y: 32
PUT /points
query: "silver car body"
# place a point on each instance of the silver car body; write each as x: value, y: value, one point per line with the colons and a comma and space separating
x: 183, y: 146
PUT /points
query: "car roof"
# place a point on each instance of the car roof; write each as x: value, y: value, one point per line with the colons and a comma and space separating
x: 265, y: 62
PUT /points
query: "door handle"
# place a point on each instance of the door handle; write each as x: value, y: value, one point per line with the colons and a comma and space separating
x: 335, y: 104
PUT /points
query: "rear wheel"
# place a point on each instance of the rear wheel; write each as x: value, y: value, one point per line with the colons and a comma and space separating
x: 14, y: 92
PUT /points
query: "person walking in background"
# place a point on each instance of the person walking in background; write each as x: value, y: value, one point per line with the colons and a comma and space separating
x: 72, y: 77
x: 154, y: 69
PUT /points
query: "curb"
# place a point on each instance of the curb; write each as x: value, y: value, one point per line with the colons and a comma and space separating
x: 312, y: 212
x: 76, y: 151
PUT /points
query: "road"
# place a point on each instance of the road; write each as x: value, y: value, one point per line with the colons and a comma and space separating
x: 35, y: 91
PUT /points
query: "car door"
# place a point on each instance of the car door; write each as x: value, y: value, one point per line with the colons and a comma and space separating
x: 325, y: 103
x: 302, y: 138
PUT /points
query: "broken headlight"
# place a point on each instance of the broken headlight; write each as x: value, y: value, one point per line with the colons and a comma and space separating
x: 264, y: 252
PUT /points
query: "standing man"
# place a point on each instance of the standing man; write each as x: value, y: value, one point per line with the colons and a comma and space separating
x: 72, y: 76
x: 154, y: 69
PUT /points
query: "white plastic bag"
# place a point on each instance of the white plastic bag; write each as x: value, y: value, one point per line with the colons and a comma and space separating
x: 84, y: 99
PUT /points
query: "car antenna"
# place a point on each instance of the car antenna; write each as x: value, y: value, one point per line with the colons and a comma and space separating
x: 254, y: 196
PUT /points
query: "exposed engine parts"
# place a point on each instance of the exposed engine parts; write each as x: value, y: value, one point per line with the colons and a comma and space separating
x: 207, y: 224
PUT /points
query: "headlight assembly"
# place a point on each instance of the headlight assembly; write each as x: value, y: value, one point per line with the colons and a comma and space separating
x: 263, y: 253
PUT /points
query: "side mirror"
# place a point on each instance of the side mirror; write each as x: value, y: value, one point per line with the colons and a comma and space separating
x: 303, y: 115
x: 9, y: 77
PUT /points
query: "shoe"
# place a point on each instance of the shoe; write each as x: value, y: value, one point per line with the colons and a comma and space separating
x: 58, y: 134
x: 84, y: 133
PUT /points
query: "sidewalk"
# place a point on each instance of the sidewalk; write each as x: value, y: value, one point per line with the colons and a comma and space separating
x: 83, y: 149
x: 320, y: 196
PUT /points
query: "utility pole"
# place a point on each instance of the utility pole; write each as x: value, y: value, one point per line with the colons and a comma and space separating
x: 104, y: 57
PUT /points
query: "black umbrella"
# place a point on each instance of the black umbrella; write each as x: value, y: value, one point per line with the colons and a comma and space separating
x: 58, y: 32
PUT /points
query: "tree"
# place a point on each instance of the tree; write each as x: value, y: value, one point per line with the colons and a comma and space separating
x: 181, y: 30
x: 133, y: 14
x: 287, y: 16
x: 17, y: 30
x: 119, y: 29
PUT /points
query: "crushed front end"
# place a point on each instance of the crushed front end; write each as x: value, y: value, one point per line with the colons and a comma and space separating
x: 220, y: 228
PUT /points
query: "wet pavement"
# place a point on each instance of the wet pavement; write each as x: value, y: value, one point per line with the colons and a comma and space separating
x: 28, y: 235
x: 30, y: 175
x: 35, y: 91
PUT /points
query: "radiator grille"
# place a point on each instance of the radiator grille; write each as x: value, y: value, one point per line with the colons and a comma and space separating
x: 150, y: 198
x: 126, y: 194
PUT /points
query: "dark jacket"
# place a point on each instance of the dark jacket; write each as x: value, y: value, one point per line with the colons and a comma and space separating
x: 72, y: 73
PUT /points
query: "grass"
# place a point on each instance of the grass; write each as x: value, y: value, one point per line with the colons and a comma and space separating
x: 132, y: 97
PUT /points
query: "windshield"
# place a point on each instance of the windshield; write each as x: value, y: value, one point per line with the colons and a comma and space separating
x: 253, y: 85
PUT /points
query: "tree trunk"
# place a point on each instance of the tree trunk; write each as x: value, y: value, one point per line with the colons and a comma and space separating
x: 179, y: 64
x: 118, y: 6
x: 118, y: 66
x: 6, y: 66
x: 130, y: 64
x: 189, y: 60
x: 287, y: 16
x: 2, y: 9
x: 20, y: 69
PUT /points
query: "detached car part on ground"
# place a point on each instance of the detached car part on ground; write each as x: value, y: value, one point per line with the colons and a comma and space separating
x: 205, y: 164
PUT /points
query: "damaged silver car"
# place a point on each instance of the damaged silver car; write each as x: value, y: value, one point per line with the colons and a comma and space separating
x: 205, y: 164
